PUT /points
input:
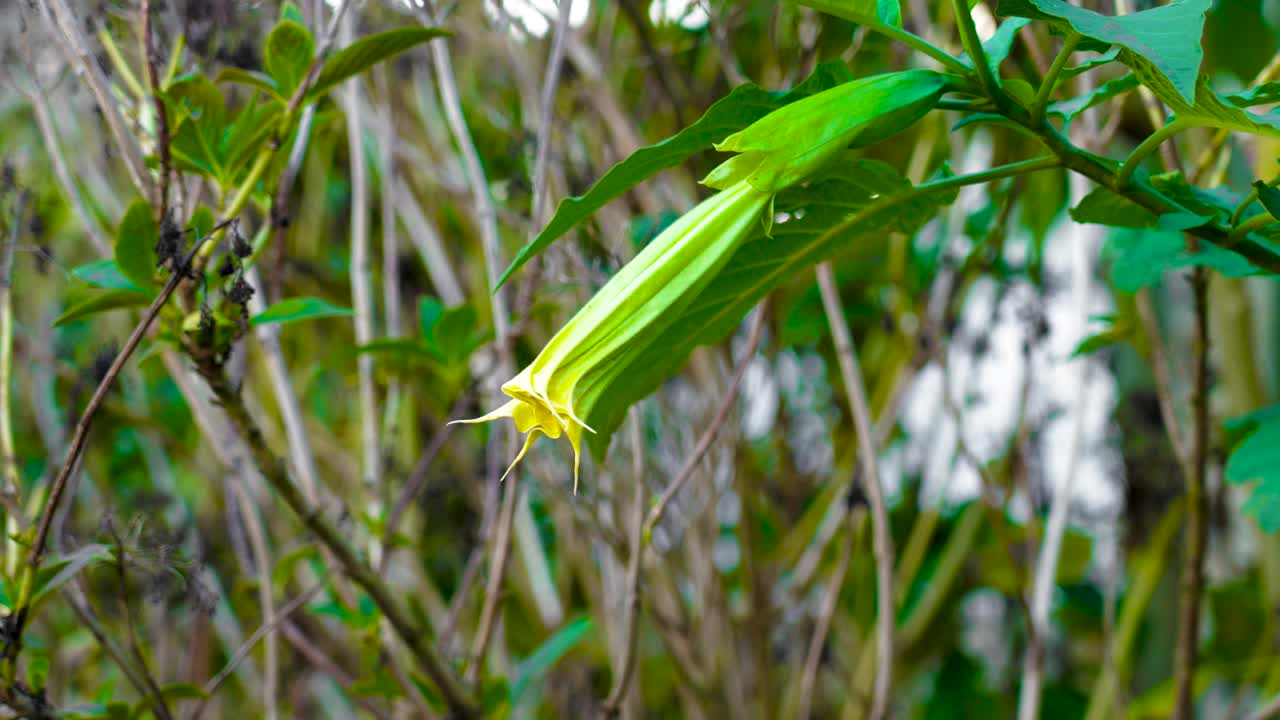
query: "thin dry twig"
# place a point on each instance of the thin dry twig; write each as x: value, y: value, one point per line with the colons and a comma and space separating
x: 881, y: 539
x: 622, y: 678
x: 162, y: 117
x: 830, y: 601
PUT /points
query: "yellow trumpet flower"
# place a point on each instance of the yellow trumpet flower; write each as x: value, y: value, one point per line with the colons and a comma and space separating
x: 554, y: 394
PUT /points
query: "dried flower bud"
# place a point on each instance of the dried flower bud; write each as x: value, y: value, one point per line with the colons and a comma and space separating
x: 228, y: 266
x: 169, y: 243
x: 239, y: 246
x: 206, y: 319
x: 240, y: 292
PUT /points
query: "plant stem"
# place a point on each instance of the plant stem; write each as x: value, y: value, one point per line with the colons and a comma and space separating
x: 1045, y: 93
x: 1197, y: 506
x: 1145, y: 148
x: 162, y: 117
x: 924, y: 46
x: 276, y: 474
x: 1257, y: 222
x: 8, y: 450
x: 881, y: 537
x: 973, y: 46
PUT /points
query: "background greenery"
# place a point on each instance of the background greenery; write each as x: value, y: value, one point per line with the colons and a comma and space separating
x: 1005, y: 350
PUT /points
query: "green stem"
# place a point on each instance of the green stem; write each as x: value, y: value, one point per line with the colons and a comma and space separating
x: 1243, y: 207
x: 1257, y: 222
x: 120, y: 66
x: 973, y: 46
x: 1148, y: 146
x: 1050, y: 81
x: 1000, y: 171
x: 918, y: 43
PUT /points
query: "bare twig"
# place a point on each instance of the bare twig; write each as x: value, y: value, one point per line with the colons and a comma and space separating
x: 362, y: 293
x: 8, y: 449
x: 830, y: 601
x: 622, y: 678
x: 709, y: 435
x: 266, y: 628
x: 881, y: 539
x: 1185, y: 651
x: 273, y: 469
x: 497, y: 573
x: 256, y: 534
x: 162, y: 117
x: 66, y: 30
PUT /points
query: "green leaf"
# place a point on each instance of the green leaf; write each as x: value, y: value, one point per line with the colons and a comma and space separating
x: 1269, y: 197
x: 853, y: 205
x: 101, y: 302
x: 535, y: 667
x: 1104, y: 207
x: 290, y: 11
x: 251, y: 78
x: 104, y: 274
x: 1000, y: 44
x: 1258, y: 458
x: 57, y: 571
x: 887, y: 13
x: 1208, y: 109
x: 746, y: 104
x: 306, y: 308
x: 1070, y: 109
x: 135, y: 246
x: 201, y: 114
x: 1264, y: 94
x: 287, y: 55
x: 367, y: 52
x: 1167, y: 37
x: 1140, y: 258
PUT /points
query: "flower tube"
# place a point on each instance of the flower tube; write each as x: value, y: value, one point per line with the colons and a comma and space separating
x: 553, y: 394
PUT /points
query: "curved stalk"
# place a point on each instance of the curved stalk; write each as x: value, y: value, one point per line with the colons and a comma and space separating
x: 1051, y: 79
x: 1147, y: 147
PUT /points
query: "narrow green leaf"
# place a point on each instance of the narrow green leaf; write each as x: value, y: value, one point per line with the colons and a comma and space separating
x: 101, y: 302
x: 57, y: 571
x: 1264, y: 94
x: 1208, y: 108
x: 535, y: 667
x: 1167, y: 37
x: 1000, y: 44
x: 298, y: 309
x: 104, y: 274
x: 287, y: 55
x: 290, y: 11
x: 367, y: 52
x: 746, y: 104
x: 135, y: 245
x: 1104, y: 207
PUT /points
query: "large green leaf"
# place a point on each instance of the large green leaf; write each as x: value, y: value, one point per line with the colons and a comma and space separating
x: 1258, y: 458
x: 298, y: 309
x: 744, y: 105
x: 850, y: 202
x: 201, y: 114
x: 367, y: 52
x: 1208, y: 109
x: 1070, y: 109
x: 135, y: 246
x: 1167, y: 37
x: 287, y: 55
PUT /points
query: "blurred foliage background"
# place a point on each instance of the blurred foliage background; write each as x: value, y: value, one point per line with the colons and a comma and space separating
x: 1001, y: 348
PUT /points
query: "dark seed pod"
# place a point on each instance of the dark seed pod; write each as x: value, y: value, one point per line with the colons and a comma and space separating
x: 240, y: 292
x: 169, y: 244
x: 239, y: 246
x: 228, y: 266
x: 206, y: 320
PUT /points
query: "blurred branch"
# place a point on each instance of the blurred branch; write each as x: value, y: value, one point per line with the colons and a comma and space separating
x: 881, y: 537
x: 66, y: 31
x: 709, y: 435
x: 8, y: 450
x: 273, y: 469
x: 830, y: 602
x: 631, y: 612
x: 162, y: 118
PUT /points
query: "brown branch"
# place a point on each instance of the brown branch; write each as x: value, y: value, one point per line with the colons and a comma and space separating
x: 276, y: 474
x: 1185, y: 652
x: 882, y: 540
x: 708, y: 436
x: 809, y: 675
x: 162, y: 118
x: 501, y: 553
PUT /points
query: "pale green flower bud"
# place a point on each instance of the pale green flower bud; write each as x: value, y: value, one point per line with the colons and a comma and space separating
x: 791, y: 143
x: 561, y: 386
